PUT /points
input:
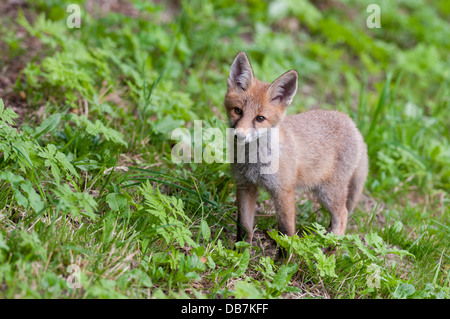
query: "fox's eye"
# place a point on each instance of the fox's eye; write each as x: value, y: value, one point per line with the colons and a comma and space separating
x: 238, y: 110
x: 260, y: 118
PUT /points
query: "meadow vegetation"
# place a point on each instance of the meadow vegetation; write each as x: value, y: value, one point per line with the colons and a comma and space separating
x: 92, y: 205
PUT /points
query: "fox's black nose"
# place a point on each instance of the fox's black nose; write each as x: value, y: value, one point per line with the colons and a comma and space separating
x: 239, y: 137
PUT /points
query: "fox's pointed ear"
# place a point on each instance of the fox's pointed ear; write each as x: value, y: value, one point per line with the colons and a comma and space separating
x: 283, y: 89
x: 241, y: 73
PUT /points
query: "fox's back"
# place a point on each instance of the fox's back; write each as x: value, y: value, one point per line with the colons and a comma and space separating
x: 322, y: 143
x: 322, y: 127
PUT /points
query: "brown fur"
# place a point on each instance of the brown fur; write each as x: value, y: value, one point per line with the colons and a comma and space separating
x: 320, y: 150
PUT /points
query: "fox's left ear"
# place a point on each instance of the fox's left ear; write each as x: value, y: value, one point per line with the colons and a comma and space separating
x: 283, y: 89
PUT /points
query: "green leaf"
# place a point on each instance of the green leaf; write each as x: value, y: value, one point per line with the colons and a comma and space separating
x: 118, y: 202
x: 12, y: 178
x: 21, y: 200
x: 23, y: 152
x: 64, y: 162
x: 167, y: 216
x: 35, y: 200
x: 55, y: 170
x: 56, y: 159
x: 204, y: 228
x: 283, y: 276
x: 48, y: 125
x: 243, y: 289
x: 211, y: 262
x: 167, y: 124
x: 18, y: 182
x: 75, y: 203
x: 372, y: 239
x: 397, y: 227
x: 403, y: 291
x: 325, y: 265
x: 242, y: 263
x: 98, y: 128
x: 3, y: 244
x: 7, y: 115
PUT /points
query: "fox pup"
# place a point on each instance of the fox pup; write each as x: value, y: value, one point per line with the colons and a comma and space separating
x: 318, y: 150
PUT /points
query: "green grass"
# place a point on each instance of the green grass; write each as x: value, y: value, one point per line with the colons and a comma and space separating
x: 92, y: 206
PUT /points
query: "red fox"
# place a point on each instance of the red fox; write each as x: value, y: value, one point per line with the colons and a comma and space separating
x: 318, y: 150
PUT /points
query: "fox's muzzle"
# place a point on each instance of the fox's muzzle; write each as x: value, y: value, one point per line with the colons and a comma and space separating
x: 247, y: 135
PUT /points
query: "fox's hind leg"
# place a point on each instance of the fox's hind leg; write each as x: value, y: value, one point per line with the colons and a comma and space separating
x: 356, y: 185
x: 339, y: 218
x: 333, y: 197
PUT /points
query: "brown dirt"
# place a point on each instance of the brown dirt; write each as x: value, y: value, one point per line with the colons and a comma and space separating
x: 11, y: 63
x: 103, y: 7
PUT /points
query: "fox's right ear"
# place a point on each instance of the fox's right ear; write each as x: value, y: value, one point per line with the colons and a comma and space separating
x: 241, y: 73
